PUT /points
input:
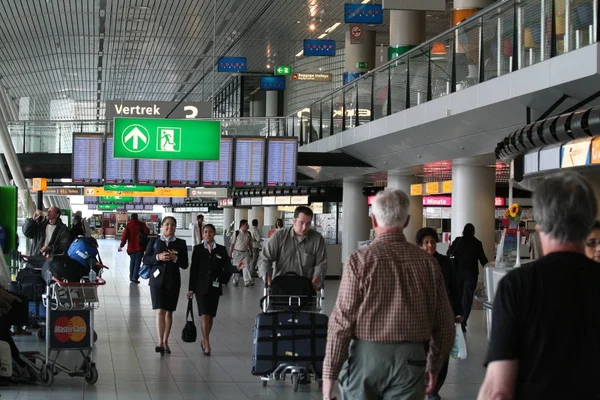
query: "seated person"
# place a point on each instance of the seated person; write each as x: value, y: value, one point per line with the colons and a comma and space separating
x: 296, y: 249
x: 13, y: 311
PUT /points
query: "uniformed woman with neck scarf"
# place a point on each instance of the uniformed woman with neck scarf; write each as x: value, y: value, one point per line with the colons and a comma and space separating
x: 166, y: 254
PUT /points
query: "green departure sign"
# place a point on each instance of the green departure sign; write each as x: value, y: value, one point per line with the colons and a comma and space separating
x: 362, y: 64
x: 167, y: 139
x: 107, y: 207
x: 129, y: 188
x: 283, y: 70
x: 116, y: 199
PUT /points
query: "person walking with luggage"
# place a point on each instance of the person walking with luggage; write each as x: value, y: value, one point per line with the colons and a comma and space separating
x: 50, y: 235
x: 391, y: 305
x: 296, y: 249
x: 136, y: 236
x: 241, y: 253
x: 210, y: 269
x: 467, y: 251
x: 427, y: 239
x: 166, y: 254
x: 545, y: 330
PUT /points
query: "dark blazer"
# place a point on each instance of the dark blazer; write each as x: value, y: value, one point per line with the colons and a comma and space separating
x: 452, y: 288
x: 207, y: 267
x: 36, y: 230
x: 169, y: 277
x: 467, y: 252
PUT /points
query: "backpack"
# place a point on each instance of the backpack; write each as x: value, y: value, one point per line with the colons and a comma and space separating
x: 142, y: 237
x: 63, y: 268
x: 82, y: 250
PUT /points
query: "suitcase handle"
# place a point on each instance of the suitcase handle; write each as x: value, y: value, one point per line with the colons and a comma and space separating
x: 294, y: 297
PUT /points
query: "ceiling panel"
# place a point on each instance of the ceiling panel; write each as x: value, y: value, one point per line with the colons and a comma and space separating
x: 91, y: 51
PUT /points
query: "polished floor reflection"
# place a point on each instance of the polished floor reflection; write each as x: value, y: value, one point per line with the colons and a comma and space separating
x: 130, y: 369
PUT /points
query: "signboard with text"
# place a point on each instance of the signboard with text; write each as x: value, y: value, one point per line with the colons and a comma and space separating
x: 232, y: 64
x: 166, y: 139
x: 312, y: 76
x: 316, y: 47
x: 363, y: 14
x: 158, y: 109
x: 576, y: 153
x: 283, y: 70
x: 272, y: 83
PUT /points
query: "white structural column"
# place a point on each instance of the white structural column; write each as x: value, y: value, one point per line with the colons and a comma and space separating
x: 272, y: 104
x: 271, y: 215
x: 399, y: 180
x: 240, y: 214
x: 356, y: 223
x: 407, y: 30
x: 256, y: 213
x: 465, y: 8
x: 228, y: 218
x: 473, y: 192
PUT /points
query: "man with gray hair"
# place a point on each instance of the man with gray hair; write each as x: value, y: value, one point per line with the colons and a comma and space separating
x: 545, y: 339
x: 392, y: 316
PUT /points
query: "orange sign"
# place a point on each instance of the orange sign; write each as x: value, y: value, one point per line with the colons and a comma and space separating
x: 596, y: 151
x: 416, y: 190
x: 40, y: 184
x: 447, y: 187
x: 158, y: 192
x: 432, y: 187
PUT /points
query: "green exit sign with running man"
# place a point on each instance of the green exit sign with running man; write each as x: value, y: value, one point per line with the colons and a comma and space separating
x: 283, y: 70
x: 165, y: 139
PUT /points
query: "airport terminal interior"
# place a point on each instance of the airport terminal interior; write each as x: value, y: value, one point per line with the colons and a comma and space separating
x: 245, y: 110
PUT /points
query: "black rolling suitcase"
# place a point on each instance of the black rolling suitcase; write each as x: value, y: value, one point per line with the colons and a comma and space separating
x: 289, y: 337
x: 30, y: 284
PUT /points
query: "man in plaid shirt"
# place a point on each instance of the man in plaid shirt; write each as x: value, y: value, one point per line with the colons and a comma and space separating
x: 392, y: 326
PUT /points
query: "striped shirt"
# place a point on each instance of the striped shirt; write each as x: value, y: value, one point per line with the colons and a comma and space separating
x: 391, y: 292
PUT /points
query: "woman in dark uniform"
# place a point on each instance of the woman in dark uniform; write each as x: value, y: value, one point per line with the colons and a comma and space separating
x: 211, y: 268
x: 166, y: 254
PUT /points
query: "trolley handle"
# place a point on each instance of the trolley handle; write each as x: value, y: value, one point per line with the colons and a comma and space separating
x: 99, y: 282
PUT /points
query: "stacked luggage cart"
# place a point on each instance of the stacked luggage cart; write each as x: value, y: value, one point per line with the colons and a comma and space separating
x: 291, y: 332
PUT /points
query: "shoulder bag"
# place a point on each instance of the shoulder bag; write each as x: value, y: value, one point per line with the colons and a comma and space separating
x: 146, y: 269
x: 189, y: 332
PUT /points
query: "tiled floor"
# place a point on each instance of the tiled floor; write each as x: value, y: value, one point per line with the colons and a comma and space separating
x: 129, y: 368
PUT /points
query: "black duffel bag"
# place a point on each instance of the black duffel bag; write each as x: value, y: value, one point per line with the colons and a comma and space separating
x: 30, y: 284
x: 64, y: 268
x: 289, y: 285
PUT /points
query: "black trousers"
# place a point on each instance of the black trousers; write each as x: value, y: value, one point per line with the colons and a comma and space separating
x: 441, y: 378
x: 468, y: 285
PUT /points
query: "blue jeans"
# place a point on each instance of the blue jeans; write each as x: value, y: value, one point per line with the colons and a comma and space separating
x: 135, y: 261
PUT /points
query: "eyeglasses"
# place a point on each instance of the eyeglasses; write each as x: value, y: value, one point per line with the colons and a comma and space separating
x: 593, y: 243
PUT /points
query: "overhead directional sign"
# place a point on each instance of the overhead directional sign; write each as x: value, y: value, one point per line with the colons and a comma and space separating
x: 312, y: 76
x: 363, y: 13
x: 117, y: 199
x: 129, y: 188
x: 158, y: 109
x: 283, y: 70
x: 158, y: 192
x: 167, y: 139
x: 64, y: 191
x: 316, y: 47
x: 272, y: 83
x: 232, y: 64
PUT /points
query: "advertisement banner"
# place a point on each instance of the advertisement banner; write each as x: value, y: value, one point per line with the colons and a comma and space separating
x: 315, y: 47
x: 70, y: 330
x: 363, y: 14
x: 232, y: 64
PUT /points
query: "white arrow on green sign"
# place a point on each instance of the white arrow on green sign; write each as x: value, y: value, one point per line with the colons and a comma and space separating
x: 164, y: 139
x: 283, y: 70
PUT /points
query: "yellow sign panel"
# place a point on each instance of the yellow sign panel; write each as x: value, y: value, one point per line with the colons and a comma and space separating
x: 447, y: 187
x: 416, y: 190
x: 596, y: 151
x: 40, y: 184
x: 158, y: 192
x: 432, y: 188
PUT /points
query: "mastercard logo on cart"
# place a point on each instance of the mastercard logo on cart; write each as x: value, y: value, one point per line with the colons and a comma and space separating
x: 73, y: 329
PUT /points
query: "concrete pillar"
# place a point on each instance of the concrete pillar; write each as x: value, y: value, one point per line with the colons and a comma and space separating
x: 359, y: 53
x: 228, y: 217
x: 270, y: 215
x: 257, y: 213
x: 465, y: 8
x: 272, y: 102
x: 473, y: 192
x: 240, y: 214
x: 407, y: 30
x: 398, y: 180
x: 258, y: 104
x: 356, y: 223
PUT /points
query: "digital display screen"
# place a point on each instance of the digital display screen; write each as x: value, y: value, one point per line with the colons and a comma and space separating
x: 90, y: 200
x: 282, y: 160
x: 137, y: 200
x: 149, y: 200
x: 88, y: 157
x: 117, y: 170
x: 184, y: 173
x: 163, y: 201
x: 92, y: 207
x: 148, y: 207
x: 218, y: 173
x: 131, y: 207
x: 152, y: 172
x: 177, y: 200
x: 249, y: 161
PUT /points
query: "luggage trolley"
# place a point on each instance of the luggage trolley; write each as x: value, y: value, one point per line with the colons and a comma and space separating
x: 69, y: 326
x: 307, y: 322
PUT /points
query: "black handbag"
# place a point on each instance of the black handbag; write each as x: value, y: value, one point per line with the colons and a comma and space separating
x: 189, y: 332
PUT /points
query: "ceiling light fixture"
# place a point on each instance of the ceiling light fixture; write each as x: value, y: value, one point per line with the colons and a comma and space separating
x: 300, y: 54
x: 268, y: 66
x: 322, y: 36
x: 312, y: 27
x: 366, y: 1
x: 333, y: 27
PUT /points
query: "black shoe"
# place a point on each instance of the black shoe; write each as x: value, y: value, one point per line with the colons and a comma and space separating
x: 160, y: 350
x: 134, y: 281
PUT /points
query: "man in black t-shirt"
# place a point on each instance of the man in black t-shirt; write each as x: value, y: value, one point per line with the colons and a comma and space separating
x: 545, y: 339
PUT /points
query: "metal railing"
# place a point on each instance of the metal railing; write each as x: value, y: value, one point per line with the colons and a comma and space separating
x: 505, y: 37
x: 57, y: 136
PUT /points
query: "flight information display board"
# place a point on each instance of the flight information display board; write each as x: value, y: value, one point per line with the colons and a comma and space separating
x: 184, y: 173
x: 152, y: 172
x: 88, y: 158
x: 117, y: 170
x: 163, y: 201
x: 148, y: 207
x: 282, y: 160
x: 149, y: 200
x: 249, y: 163
x: 177, y: 201
x: 218, y: 173
x: 90, y: 200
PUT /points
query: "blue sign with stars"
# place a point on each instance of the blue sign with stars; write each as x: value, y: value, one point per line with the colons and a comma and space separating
x: 363, y: 14
x: 272, y: 83
x: 232, y: 64
x: 313, y: 47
